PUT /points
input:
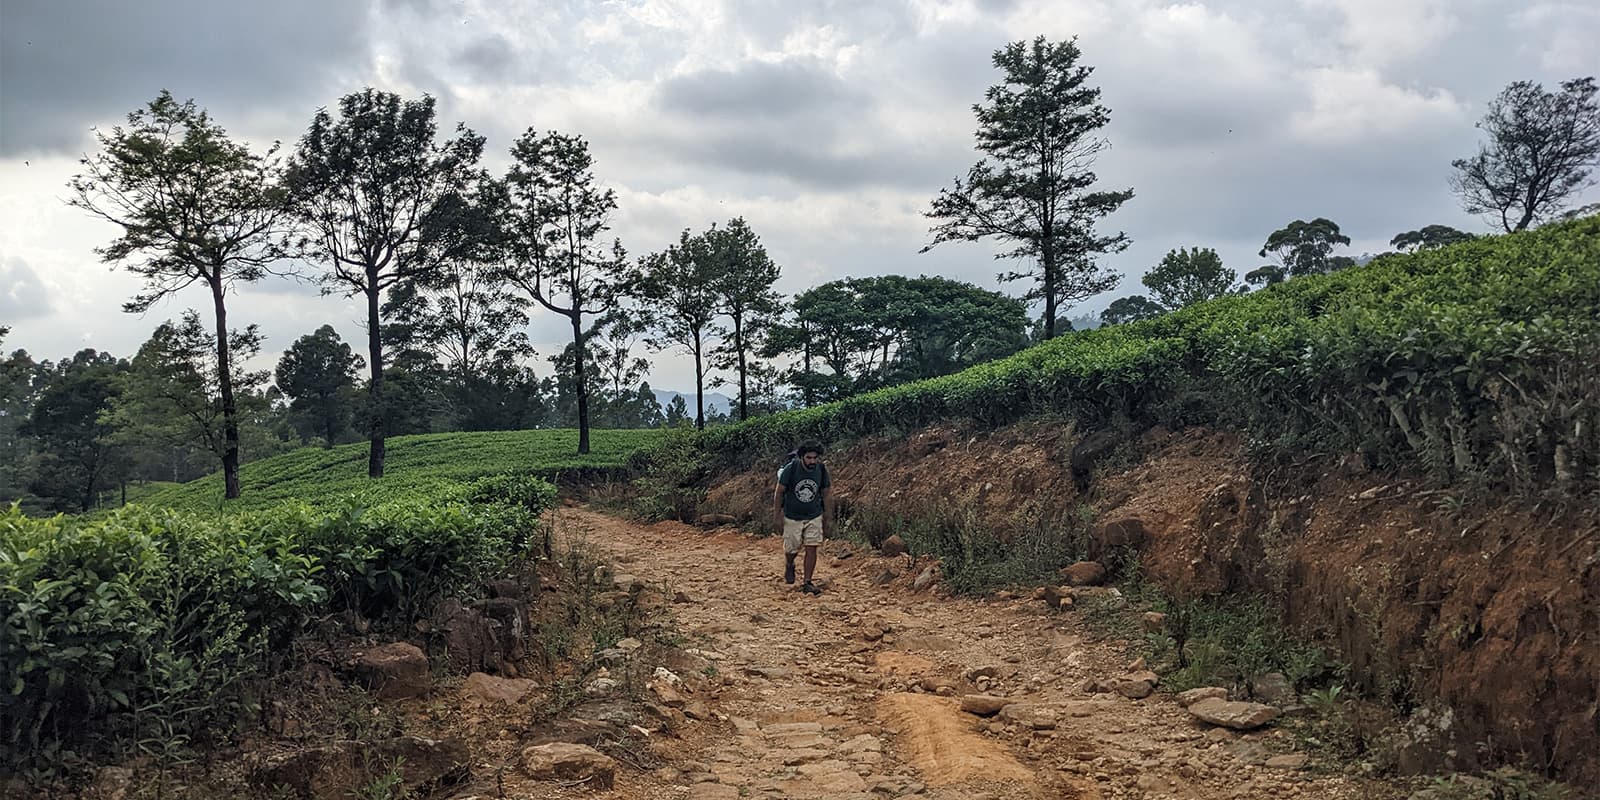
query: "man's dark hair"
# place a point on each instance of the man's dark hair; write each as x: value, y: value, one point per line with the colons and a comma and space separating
x: 809, y: 447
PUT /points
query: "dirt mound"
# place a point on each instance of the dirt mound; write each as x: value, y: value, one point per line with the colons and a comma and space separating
x: 939, y: 741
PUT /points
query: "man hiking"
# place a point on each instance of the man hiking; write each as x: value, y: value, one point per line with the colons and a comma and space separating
x: 804, y: 510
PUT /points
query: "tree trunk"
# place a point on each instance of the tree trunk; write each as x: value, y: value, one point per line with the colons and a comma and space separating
x: 1047, y: 262
x: 805, y: 339
x: 699, y: 388
x: 230, y: 415
x: 577, y: 379
x: 744, y: 367
x: 377, y: 412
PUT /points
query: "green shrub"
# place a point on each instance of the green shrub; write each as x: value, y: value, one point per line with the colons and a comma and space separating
x: 145, y: 626
x: 1478, y: 363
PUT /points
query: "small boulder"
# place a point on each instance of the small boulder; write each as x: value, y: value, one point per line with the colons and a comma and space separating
x: 713, y: 520
x: 1153, y: 622
x: 1135, y: 685
x: 1084, y: 573
x: 1030, y: 715
x: 893, y: 546
x: 627, y: 583
x: 1239, y: 716
x: 984, y: 705
x: 394, y: 671
x: 1272, y: 687
x: 925, y: 579
x: 1193, y: 696
x: 561, y: 761
x: 1287, y: 761
x: 485, y: 689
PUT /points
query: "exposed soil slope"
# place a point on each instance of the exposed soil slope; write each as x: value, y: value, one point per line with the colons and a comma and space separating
x: 1482, y: 612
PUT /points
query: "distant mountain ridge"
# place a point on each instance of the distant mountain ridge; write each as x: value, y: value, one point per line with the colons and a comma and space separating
x: 714, y: 401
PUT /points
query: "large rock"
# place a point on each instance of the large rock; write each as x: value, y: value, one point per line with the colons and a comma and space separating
x: 925, y: 579
x: 1030, y: 715
x: 484, y: 689
x: 1133, y: 685
x: 468, y: 640
x: 339, y: 770
x: 893, y: 546
x: 1233, y: 714
x: 393, y: 671
x: 984, y: 705
x: 1084, y: 573
x: 1114, y: 533
x: 713, y: 520
x: 560, y: 761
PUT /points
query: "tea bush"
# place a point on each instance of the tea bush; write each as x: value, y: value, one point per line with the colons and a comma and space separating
x: 1478, y: 363
x: 144, y: 626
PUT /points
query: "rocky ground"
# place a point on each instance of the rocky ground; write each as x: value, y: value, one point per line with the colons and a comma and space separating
x: 860, y: 693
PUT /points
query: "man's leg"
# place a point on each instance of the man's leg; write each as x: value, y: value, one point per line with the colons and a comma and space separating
x: 811, y: 562
x: 791, y: 548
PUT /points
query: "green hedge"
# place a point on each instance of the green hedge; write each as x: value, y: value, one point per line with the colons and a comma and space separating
x: 144, y: 626
x: 1476, y: 363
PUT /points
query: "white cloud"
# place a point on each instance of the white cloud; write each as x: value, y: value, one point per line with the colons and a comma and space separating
x: 1383, y: 31
x: 1568, y: 32
x: 1357, y: 106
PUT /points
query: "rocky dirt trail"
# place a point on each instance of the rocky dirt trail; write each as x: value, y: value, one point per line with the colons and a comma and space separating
x: 857, y: 693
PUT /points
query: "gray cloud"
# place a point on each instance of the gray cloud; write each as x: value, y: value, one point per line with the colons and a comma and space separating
x: 22, y: 295
x: 71, y: 66
x: 760, y: 91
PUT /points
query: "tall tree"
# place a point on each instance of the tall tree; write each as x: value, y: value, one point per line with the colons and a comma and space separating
x: 380, y: 201
x: 194, y: 207
x: 1032, y: 189
x: 553, y: 220
x: 1130, y: 309
x: 317, y: 373
x: 1541, y: 148
x: 71, y: 422
x: 681, y: 286
x: 746, y: 297
x: 1429, y: 238
x: 1185, y: 277
x: 1304, y: 248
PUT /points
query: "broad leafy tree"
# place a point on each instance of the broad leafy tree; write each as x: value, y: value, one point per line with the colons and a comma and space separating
x: 1185, y: 277
x: 746, y: 298
x: 194, y: 207
x: 317, y: 373
x: 680, y: 286
x: 1131, y: 309
x: 871, y: 332
x: 1305, y: 248
x: 1032, y: 190
x: 170, y: 398
x: 554, y: 219
x: 1540, y: 150
x: 381, y: 201
x: 76, y: 456
x: 1429, y: 238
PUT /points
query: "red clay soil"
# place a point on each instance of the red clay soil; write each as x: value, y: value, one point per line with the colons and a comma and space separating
x: 1482, y: 613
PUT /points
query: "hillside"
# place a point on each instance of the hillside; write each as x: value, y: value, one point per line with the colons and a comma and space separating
x: 1395, y: 463
x: 412, y: 462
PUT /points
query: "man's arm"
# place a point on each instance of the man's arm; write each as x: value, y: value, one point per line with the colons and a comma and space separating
x: 777, y: 496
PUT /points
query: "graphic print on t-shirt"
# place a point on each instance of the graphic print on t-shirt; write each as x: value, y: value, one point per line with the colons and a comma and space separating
x: 806, y: 490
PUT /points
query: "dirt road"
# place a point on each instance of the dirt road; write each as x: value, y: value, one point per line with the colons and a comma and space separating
x: 855, y: 694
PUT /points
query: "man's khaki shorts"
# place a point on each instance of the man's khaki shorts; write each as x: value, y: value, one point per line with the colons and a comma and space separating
x: 798, y: 532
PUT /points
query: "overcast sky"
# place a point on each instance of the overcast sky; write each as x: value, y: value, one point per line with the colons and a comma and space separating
x: 829, y: 126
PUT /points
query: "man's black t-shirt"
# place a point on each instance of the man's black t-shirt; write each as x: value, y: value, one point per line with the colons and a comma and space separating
x: 802, y: 496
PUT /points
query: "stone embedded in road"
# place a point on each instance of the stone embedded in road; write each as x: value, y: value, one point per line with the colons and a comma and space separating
x: 1239, y: 716
x: 984, y: 705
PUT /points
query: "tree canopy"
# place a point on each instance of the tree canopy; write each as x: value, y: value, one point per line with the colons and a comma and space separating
x: 1541, y: 147
x: 1032, y: 189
